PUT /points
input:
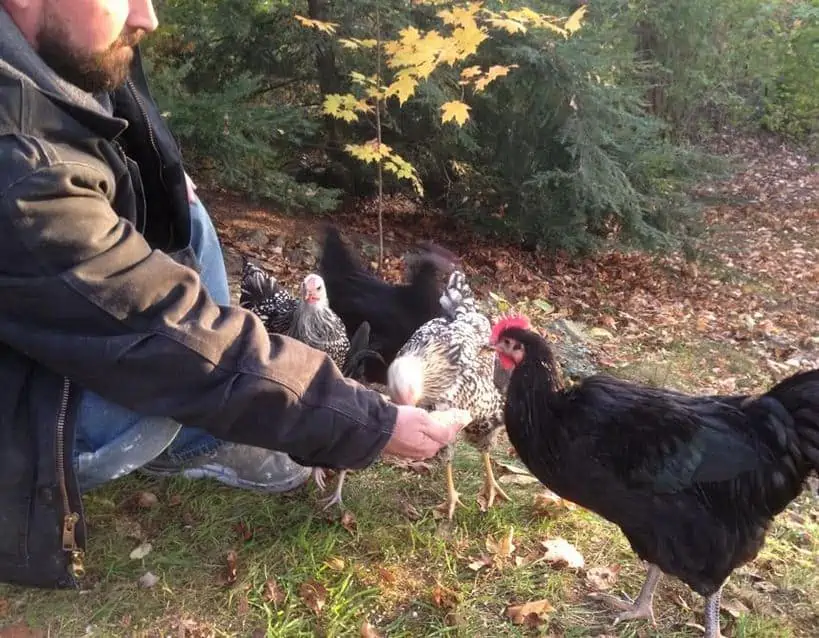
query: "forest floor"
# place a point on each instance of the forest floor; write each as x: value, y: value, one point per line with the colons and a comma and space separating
x: 194, y: 559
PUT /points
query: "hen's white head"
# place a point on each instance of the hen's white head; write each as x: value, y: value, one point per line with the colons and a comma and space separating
x: 313, y: 291
x: 405, y: 380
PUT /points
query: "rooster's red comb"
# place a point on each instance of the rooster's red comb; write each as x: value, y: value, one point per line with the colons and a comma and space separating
x: 510, y: 321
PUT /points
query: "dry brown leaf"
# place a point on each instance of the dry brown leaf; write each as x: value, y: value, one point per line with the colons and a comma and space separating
x: 272, y: 593
x: 175, y: 500
x: 532, y: 614
x: 386, y: 575
x: 20, y: 630
x: 602, y: 578
x: 314, y: 595
x: 477, y: 564
x: 734, y: 607
x: 140, y: 551
x: 512, y: 468
x: 242, y: 605
x: 547, y: 503
x: 230, y: 567
x: 444, y: 598
x: 517, y: 479
x: 410, y: 511
x: 368, y: 631
x: 243, y: 530
x: 561, y: 553
x: 349, y: 522
x: 504, y: 547
x: 146, y: 499
x: 335, y: 563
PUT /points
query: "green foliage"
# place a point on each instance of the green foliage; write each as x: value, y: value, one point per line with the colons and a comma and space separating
x: 573, y: 143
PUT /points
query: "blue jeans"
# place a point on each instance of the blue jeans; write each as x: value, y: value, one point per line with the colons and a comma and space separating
x: 113, y: 441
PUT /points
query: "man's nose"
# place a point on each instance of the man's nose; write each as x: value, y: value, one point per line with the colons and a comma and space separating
x: 143, y: 16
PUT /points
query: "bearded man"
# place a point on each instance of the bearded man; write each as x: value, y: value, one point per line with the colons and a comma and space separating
x: 119, y: 348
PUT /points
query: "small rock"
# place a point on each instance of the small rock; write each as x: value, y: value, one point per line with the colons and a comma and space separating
x: 257, y: 238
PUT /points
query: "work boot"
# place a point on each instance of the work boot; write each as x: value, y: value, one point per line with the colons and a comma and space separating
x: 242, y: 466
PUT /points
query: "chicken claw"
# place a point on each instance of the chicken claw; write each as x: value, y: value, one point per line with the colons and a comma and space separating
x: 318, y: 476
x: 335, y: 497
x: 643, y: 607
x: 490, y: 489
x: 453, y: 498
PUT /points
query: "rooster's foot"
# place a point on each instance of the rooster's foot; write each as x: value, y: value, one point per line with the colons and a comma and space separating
x: 631, y: 611
x: 491, y: 489
x: 319, y: 475
x: 452, y: 497
x: 335, y: 497
x: 643, y: 607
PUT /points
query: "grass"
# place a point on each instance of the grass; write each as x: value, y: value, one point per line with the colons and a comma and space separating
x: 406, y: 577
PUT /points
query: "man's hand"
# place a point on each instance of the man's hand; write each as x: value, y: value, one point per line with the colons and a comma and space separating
x: 419, y: 434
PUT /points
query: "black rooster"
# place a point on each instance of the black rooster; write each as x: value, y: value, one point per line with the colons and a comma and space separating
x: 693, y: 482
x: 393, y: 312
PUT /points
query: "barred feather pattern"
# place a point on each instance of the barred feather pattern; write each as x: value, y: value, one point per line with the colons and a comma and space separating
x: 265, y: 297
x: 457, y: 371
x: 322, y: 329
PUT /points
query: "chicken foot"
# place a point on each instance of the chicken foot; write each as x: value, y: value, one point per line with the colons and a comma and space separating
x: 491, y: 489
x: 712, y: 603
x: 643, y: 607
x: 453, y: 497
x: 335, y: 497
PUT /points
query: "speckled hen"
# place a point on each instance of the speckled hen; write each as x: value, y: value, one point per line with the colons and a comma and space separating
x: 446, y: 363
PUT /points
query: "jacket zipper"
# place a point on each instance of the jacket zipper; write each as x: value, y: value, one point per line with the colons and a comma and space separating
x: 144, y: 112
x: 70, y: 518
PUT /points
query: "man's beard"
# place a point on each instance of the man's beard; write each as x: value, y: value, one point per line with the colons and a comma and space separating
x: 91, y: 72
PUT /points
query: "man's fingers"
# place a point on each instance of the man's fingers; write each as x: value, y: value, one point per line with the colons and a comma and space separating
x: 445, y: 424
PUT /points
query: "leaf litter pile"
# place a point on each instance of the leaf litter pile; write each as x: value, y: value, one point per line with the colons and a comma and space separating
x: 194, y: 559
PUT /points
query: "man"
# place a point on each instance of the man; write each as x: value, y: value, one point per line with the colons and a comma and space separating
x: 115, y: 324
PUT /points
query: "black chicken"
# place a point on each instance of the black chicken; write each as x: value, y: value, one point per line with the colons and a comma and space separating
x: 693, y: 482
x: 393, y: 312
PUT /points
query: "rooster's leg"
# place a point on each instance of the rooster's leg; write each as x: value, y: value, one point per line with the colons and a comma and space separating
x: 491, y: 489
x: 452, y: 496
x: 335, y: 498
x: 643, y: 607
x: 712, y: 615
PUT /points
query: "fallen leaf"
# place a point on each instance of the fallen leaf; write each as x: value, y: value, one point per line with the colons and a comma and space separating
x: 243, y: 531
x: 348, y: 522
x: 517, y: 479
x: 20, y: 630
x: 146, y: 499
x: 444, y: 598
x: 175, y: 500
x: 410, y: 511
x: 141, y: 551
x: 368, y: 631
x: 147, y: 580
x: 513, y: 468
x: 272, y: 593
x: 314, y: 595
x: 602, y: 578
x: 561, y: 553
x: 230, y: 564
x: 734, y: 607
x: 243, y: 605
x: 548, y: 502
x: 504, y: 547
x: 531, y: 614
x: 335, y: 563
x: 479, y: 563
x: 386, y: 575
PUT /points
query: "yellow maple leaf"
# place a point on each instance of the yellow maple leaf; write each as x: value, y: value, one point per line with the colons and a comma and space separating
x: 468, y: 40
x: 460, y: 16
x: 575, y: 20
x: 402, y: 169
x: 508, y: 25
x: 368, y: 43
x: 470, y: 72
x: 455, y: 111
x: 344, y: 107
x: 496, y: 71
x: 403, y: 87
x: 370, y: 151
x: 326, y: 27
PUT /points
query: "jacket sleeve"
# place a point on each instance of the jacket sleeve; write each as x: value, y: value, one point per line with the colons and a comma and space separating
x: 83, y: 293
